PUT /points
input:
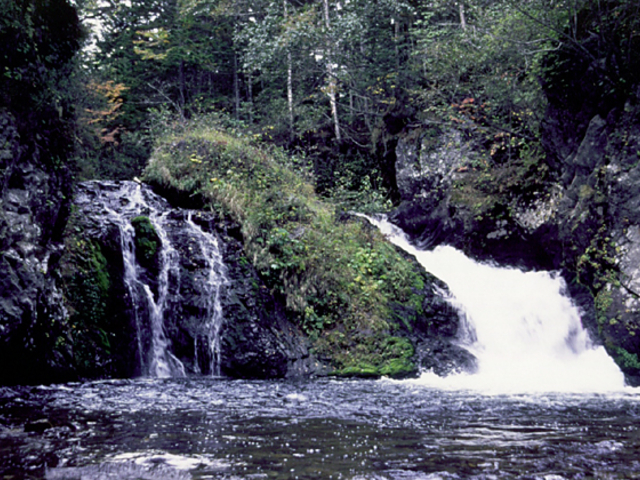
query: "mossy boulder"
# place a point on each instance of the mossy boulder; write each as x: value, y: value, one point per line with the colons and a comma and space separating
x: 338, y: 278
x: 147, y: 242
x: 96, y: 331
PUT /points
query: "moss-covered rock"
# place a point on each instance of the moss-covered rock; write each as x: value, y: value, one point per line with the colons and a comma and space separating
x: 147, y: 242
x: 97, y: 331
x: 338, y: 278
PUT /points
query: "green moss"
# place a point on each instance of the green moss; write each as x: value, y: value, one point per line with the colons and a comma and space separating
x: 627, y: 360
x: 85, y: 283
x: 360, y: 371
x: 396, y: 360
x: 89, y: 281
x: 398, y: 368
x: 147, y: 241
x: 602, y: 302
x: 391, y: 356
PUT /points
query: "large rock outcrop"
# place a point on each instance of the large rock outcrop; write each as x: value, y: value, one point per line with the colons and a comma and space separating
x: 579, y: 213
x: 37, y: 43
x: 217, y: 315
x: 33, y: 204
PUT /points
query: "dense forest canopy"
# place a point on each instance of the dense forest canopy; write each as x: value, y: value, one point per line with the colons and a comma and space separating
x: 334, y: 81
x: 338, y: 80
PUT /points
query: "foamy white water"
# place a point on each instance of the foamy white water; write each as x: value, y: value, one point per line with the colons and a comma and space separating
x: 154, y: 295
x: 525, y: 332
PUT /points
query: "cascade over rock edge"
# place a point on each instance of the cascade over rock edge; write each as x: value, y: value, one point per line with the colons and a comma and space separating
x: 583, y: 221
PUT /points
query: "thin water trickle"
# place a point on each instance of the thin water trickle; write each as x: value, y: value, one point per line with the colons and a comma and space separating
x: 163, y: 363
x: 128, y: 257
x: 154, y: 291
x: 525, y: 332
x: 211, y: 291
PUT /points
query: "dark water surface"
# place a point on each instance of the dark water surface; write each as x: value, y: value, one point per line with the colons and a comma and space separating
x: 365, y: 429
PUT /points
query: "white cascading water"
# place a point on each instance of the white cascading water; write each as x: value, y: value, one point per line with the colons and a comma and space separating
x: 525, y: 333
x: 216, y: 280
x: 156, y: 301
x: 158, y: 361
x: 163, y: 363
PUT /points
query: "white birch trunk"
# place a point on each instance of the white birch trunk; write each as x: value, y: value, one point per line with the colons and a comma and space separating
x: 289, y: 81
x: 463, y: 21
x: 332, y: 88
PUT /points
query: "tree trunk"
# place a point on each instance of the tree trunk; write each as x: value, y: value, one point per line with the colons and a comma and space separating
x: 236, y: 85
x: 463, y: 21
x: 183, y: 99
x: 289, y: 81
x: 250, y: 94
x: 332, y: 88
x: 367, y: 119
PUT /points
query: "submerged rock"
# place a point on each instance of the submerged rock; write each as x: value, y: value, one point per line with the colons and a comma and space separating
x: 38, y: 426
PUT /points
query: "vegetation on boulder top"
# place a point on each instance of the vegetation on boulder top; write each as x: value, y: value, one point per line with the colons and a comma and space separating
x: 337, y: 276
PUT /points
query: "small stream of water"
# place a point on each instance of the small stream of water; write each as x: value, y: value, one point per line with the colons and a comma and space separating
x: 216, y: 280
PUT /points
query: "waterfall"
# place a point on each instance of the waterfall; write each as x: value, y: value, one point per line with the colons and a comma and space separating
x: 525, y: 332
x: 162, y: 362
x: 179, y: 294
x: 215, y: 281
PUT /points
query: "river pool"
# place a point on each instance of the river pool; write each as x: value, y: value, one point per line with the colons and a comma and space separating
x: 205, y: 428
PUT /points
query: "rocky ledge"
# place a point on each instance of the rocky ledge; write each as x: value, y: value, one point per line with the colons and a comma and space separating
x: 577, y: 212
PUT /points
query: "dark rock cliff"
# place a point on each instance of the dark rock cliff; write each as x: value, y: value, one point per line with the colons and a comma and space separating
x: 578, y: 212
x: 37, y: 43
x: 256, y: 340
x: 33, y: 204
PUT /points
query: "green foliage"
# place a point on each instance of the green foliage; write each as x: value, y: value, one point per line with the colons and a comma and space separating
x: 602, y: 302
x: 488, y: 190
x: 337, y: 278
x: 391, y: 357
x: 598, y: 57
x: 272, y: 67
x: 628, y: 361
x: 106, y: 147
x: 482, y: 78
x: 37, y: 43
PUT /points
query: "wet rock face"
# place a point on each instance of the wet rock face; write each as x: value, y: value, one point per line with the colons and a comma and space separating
x: 435, y: 332
x: 587, y: 223
x: 217, y: 317
x: 426, y: 165
x: 32, y: 207
x: 259, y: 342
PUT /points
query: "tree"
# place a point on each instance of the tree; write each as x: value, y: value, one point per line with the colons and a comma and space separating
x: 332, y: 87
x: 38, y: 41
x: 480, y: 71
